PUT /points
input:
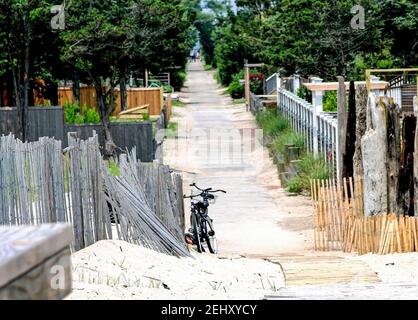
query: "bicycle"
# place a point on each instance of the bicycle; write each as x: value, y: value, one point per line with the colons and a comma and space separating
x: 202, y: 230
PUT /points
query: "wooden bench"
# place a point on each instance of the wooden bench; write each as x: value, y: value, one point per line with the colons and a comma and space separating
x: 35, y: 262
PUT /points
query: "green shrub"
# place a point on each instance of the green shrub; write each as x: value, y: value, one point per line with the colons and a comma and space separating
x: 70, y: 112
x: 309, y: 168
x: 236, y: 90
x: 294, y: 185
x: 305, y: 93
x: 74, y: 115
x: 178, y: 79
x: 272, y: 122
x: 288, y: 137
x: 91, y: 116
x: 167, y: 88
x: 78, y: 119
x: 114, y: 168
x: 330, y: 101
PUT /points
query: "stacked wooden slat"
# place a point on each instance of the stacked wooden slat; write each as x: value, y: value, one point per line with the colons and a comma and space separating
x: 340, y: 222
x: 148, y: 218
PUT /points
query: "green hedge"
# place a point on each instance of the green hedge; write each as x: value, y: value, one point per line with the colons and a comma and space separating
x: 73, y: 114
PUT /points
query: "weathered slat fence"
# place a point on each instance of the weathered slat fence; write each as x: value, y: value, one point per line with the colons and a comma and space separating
x: 40, y: 184
x: 151, y: 221
x: 341, y: 225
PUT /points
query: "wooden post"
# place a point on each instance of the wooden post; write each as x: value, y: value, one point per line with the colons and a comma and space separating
x: 342, y: 126
x: 146, y: 78
x: 317, y: 100
x: 296, y: 83
x: 361, y: 124
x: 247, y: 83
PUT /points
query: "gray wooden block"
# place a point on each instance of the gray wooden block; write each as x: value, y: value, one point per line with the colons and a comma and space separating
x: 35, y: 262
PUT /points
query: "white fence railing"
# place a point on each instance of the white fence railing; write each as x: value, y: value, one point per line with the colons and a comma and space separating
x: 271, y: 84
x: 320, y: 129
x: 395, y: 93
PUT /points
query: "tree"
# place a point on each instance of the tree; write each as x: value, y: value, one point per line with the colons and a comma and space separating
x: 97, y: 43
x: 107, y: 40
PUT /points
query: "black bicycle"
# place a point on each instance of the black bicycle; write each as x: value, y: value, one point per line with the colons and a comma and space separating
x: 202, y: 231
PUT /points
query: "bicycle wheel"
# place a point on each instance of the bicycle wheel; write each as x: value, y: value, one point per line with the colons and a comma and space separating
x: 210, y: 237
x: 196, y: 233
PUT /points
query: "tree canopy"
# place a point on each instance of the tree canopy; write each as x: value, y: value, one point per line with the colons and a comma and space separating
x: 101, y: 43
x: 311, y: 37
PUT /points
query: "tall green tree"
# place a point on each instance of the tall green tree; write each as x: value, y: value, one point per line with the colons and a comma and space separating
x: 22, y: 53
x: 97, y: 42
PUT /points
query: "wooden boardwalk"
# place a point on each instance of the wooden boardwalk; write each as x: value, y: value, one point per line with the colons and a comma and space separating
x: 327, y: 277
x: 319, y: 269
x: 376, y: 291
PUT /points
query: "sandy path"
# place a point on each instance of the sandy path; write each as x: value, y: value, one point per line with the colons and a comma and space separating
x: 218, y: 148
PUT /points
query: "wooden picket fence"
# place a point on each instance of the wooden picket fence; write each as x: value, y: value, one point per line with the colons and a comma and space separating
x: 341, y: 225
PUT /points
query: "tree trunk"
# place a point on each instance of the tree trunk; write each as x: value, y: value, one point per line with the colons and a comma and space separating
x: 27, y: 29
x: 393, y: 140
x: 76, y: 87
x: 123, y: 90
x: 110, y: 146
x: 406, y: 193
x: 361, y: 124
x: 350, y: 142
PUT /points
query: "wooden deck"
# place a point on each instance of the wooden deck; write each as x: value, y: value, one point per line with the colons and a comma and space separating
x: 323, y: 269
x: 35, y: 262
x: 331, y: 277
x: 377, y: 291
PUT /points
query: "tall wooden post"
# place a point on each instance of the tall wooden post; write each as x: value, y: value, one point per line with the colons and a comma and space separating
x: 317, y: 103
x: 342, y: 126
x: 146, y: 78
x: 247, y: 83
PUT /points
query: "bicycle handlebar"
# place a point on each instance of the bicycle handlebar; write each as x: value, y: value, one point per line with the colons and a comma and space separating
x: 209, y: 190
